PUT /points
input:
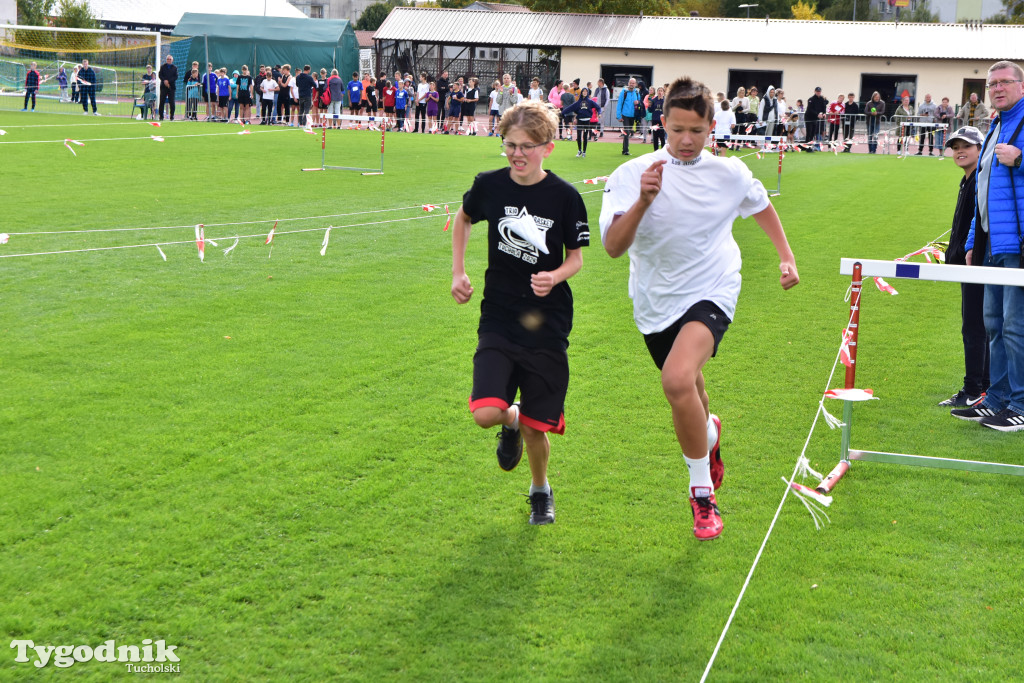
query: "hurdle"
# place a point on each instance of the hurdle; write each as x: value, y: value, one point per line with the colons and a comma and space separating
x: 858, y: 269
x: 777, y: 139
x: 371, y: 122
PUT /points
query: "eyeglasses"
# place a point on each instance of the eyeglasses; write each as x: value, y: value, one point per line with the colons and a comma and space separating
x: 1005, y: 83
x: 512, y: 148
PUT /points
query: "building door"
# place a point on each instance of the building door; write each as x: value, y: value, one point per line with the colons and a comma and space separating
x: 746, y: 78
x: 891, y: 87
x: 972, y: 85
x: 616, y: 76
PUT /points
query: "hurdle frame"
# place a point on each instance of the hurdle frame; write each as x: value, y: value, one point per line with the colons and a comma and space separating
x: 323, y: 144
x: 858, y: 269
x: 777, y: 139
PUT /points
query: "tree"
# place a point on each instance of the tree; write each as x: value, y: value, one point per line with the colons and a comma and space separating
x: 373, y: 16
x: 35, y: 12
x: 70, y: 14
x: 1013, y: 11
x: 806, y: 11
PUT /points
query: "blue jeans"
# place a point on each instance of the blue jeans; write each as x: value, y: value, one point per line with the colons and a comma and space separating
x: 1004, y: 323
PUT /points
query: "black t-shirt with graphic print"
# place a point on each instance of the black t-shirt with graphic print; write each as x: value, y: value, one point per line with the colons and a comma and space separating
x: 509, y: 306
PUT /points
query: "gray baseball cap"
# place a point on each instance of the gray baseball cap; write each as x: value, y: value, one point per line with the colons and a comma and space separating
x: 968, y: 134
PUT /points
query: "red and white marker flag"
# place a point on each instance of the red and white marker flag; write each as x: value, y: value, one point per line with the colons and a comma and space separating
x: 157, y: 138
x: 327, y: 239
x: 3, y: 132
x: 595, y: 181
x: 852, y: 394
x: 4, y: 237
x: 201, y: 242
x: 68, y: 142
x: 449, y: 214
x: 844, y: 348
x: 155, y: 124
x: 885, y: 286
x: 245, y: 132
x: 270, y: 235
x: 429, y: 207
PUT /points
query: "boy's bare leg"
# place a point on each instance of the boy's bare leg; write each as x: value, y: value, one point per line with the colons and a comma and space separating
x: 538, y: 449
x: 683, y: 383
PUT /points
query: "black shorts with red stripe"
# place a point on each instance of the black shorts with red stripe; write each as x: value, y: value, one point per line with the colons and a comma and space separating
x: 540, y: 376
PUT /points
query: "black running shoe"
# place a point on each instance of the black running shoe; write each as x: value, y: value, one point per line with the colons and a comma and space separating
x: 542, y: 507
x: 975, y: 413
x: 962, y: 399
x: 1006, y: 420
x: 510, y: 448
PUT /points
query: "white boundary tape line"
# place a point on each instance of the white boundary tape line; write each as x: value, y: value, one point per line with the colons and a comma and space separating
x: 261, y: 235
x: 244, y: 131
x: 190, y: 226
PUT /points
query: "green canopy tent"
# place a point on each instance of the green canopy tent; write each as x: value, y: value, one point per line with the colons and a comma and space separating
x: 232, y: 40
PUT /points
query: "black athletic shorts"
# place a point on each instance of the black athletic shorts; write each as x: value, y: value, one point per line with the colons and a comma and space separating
x: 660, y: 343
x: 222, y: 101
x: 541, y: 376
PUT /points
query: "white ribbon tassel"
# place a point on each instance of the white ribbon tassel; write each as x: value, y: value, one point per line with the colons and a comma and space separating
x: 162, y: 254
x: 803, y: 468
x: 803, y: 494
x: 327, y: 239
x: 233, y: 245
x: 831, y: 420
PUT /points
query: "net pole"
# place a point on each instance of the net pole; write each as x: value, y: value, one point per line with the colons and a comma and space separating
x: 323, y: 148
x: 778, y: 186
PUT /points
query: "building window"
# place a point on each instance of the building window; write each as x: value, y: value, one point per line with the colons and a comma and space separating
x: 316, y: 11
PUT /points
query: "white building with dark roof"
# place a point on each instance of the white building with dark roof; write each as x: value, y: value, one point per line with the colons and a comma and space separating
x: 946, y: 60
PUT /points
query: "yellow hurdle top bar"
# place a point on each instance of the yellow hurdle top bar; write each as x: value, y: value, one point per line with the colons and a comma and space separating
x: 938, y: 272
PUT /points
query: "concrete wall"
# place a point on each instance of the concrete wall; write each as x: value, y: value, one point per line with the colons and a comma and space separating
x: 800, y: 75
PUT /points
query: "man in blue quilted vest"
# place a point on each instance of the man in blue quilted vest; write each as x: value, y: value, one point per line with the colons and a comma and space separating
x: 999, y: 205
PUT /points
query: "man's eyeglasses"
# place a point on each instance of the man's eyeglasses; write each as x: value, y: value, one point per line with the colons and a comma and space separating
x: 1006, y: 82
x: 512, y: 148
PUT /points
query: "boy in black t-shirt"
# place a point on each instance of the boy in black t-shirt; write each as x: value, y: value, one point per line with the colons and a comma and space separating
x: 533, y: 218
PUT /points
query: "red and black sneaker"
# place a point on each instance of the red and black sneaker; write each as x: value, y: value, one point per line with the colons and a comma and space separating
x: 715, y: 453
x: 707, y: 522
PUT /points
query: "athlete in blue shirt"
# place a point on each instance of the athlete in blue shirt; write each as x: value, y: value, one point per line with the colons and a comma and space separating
x: 355, y: 94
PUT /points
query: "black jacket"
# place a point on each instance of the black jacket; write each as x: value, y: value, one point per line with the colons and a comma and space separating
x: 956, y: 254
x: 169, y: 73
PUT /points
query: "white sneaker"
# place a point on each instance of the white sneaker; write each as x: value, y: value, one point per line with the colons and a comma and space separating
x: 583, y: 155
x: 579, y: 154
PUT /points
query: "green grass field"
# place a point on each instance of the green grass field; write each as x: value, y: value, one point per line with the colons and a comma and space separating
x: 269, y: 462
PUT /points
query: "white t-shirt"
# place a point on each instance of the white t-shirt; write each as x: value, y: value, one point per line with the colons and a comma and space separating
x: 537, y: 94
x: 724, y: 121
x: 269, y: 87
x: 421, y: 93
x: 742, y: 102
x: 494, y: 99
x: 684, y: 251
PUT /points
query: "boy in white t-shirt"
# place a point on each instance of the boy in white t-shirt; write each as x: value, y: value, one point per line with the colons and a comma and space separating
x: 725, y: 119
x: 673, y: 211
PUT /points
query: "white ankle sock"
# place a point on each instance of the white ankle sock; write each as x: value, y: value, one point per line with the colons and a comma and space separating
x: 712, y: 434
x: 700, y: 473
x: 546, y: 488
x: 515, y: 422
